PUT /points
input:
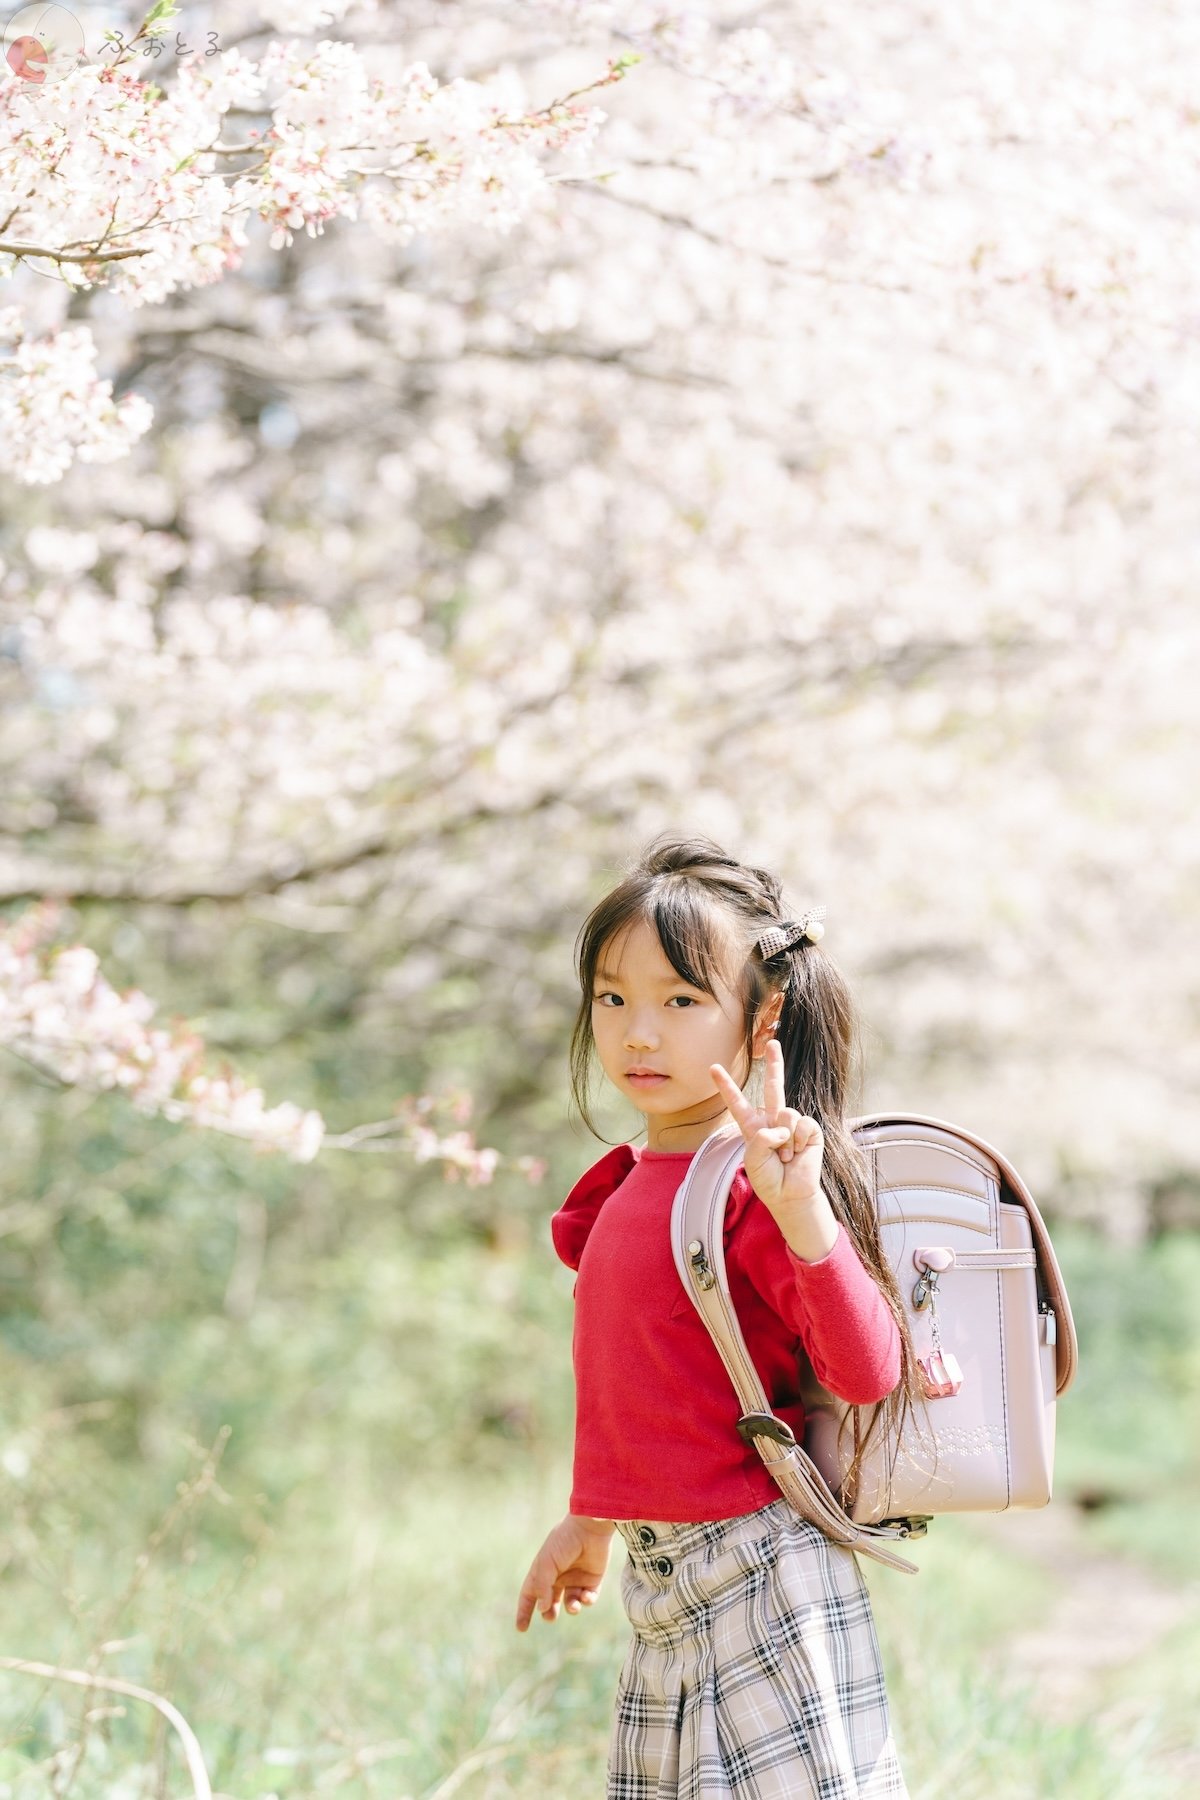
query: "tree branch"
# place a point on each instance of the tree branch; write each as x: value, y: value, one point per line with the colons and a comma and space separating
x: 89, y: 885
x: 238, y: 348
x: 681, y: 222
x: 67, y: 256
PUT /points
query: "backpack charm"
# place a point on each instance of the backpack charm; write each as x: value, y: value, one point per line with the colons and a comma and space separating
x: 939, y: 1369
x: 941, y: 1373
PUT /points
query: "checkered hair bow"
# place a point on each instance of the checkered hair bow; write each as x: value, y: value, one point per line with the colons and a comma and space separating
x: 778, y: 938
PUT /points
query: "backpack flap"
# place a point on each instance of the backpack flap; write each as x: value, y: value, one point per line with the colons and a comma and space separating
x: 965, y: 1245
x: 875, y: 1129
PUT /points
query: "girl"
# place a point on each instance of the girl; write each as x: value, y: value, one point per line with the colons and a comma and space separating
x: 754, y: 1670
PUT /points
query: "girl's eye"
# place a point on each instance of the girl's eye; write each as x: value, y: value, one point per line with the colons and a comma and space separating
x: 683, y: 999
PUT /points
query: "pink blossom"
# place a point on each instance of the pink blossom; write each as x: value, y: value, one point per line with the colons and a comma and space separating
x: 108, y: 165
x: 58, y: 1010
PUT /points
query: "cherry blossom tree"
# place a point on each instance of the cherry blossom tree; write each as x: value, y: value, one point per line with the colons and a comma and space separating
x: 102, y: 147
x: 803, y: 449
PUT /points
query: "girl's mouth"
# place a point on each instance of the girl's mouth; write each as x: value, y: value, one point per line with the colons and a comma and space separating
x: 641, y: 1079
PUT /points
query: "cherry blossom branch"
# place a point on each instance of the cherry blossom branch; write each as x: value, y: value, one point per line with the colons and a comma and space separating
x: 420, y: 1141
x: 153, y: 25
x: 59, y: 1013
x: 8, y: 248
x: 468, y: 163
x: 680, y: 222
x: 294, y: 868
x: 237, y: 348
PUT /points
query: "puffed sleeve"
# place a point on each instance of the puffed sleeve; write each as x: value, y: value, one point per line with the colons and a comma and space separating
x: 834, y: 1305
x: 570, y: 1225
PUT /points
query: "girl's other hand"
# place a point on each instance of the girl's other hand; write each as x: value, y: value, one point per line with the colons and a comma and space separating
x: 568, y: 1569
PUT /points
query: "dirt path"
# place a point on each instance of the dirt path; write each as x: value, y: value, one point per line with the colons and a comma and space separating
x: 1106, y: 1612
x: 1103, y: 1611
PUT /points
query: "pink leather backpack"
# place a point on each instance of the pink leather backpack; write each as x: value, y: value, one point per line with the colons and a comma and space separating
x: 990, y: 1321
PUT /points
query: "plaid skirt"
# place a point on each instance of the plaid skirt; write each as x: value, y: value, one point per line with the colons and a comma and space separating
x: 754, y: 1672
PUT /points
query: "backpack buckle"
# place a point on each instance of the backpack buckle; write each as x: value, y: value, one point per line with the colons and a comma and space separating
x: 704, y: 1275
x: 908, y: 1526
x: 760, y: 1424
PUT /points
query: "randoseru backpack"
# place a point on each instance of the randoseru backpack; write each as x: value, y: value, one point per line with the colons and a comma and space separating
x: 989, y: 1317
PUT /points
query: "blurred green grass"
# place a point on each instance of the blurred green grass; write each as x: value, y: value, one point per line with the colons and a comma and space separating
x: 398, y: 1627
x: 333, y: 1610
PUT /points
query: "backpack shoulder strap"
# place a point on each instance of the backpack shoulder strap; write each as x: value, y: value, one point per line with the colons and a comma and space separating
x: 875, y: 1129
x: 698, y: 1246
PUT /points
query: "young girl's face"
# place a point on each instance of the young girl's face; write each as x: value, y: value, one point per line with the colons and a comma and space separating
x: 657, y: 1037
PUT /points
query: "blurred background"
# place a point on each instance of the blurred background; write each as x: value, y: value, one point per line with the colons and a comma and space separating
x: 814, y: 466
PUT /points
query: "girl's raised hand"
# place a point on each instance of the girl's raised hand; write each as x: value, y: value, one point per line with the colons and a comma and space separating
x: 784, y: 1147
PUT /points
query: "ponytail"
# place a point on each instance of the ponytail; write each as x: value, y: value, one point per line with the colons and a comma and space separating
x: 818, y: 1034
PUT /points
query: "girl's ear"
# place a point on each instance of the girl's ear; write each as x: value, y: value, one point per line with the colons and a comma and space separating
x: 766, y: 1022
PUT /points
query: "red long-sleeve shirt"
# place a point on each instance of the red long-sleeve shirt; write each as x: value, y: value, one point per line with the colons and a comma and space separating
x: 655, y: 1412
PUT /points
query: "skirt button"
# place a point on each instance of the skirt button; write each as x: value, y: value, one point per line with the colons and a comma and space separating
x: 664, y: 1565
x: 645, y: 1535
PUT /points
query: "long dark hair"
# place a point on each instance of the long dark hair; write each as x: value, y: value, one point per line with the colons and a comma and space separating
x: 706, y: 908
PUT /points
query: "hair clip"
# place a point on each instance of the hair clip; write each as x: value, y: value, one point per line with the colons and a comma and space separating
x: 778, y: 938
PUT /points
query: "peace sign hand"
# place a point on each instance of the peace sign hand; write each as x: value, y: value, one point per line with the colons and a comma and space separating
x: 783, y: 1147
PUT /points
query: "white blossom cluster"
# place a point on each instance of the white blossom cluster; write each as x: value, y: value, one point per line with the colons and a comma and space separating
x: 54, y: 407
x: 57, y: 1009
x: 59, y: 1012
x: 779, y: 478
x: 117, y: 182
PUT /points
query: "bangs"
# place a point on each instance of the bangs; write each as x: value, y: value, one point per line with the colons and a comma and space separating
x: 696, y: 940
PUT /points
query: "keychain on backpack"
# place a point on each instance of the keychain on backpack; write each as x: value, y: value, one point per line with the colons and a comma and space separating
x: 940, y: 1370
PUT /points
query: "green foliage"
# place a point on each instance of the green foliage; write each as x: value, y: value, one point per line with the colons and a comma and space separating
x: 1129, y: 1429
x: 284, y: 1439
x: 158, y: 18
